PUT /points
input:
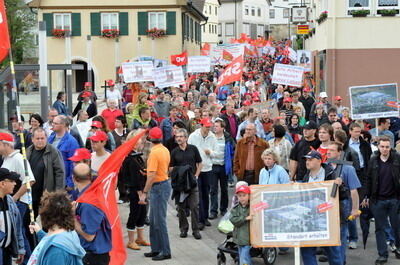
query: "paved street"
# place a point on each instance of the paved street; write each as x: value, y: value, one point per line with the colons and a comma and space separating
x: 188, y: 251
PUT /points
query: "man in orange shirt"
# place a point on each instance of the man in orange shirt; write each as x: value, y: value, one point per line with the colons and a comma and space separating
x: 160, y: 190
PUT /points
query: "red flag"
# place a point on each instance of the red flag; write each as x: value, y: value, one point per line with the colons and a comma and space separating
x: 248, y: 52
x: 179, y: 59
x: 205, y: 51
x: 233, y: 72
x: 4, y: 35
x: 227, y: 55
x: 101, y: 194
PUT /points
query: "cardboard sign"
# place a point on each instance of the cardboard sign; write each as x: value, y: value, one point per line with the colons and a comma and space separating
x: 370, y: 102
x: 292, y: 218
x: 137, y: 71
x: 288, y: 75
x: 170, y: 75
x: 304, y: 60
x: 199, y: 64
x: 217, y: 51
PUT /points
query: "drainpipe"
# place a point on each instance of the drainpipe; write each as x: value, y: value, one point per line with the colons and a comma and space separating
x: 334, y: 50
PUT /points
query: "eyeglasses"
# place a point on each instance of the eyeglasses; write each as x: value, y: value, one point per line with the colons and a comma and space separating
x: 180, y: 136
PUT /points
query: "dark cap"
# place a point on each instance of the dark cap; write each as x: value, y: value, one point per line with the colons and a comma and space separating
x: 313, y: 154
x: 310, y: 125
x: 6, y: 174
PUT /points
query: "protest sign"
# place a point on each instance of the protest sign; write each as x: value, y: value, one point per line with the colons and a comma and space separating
x: 292, y: 55
x: 293, y: 217
x: 270, y: 105
x: 368, y: 102
x: 199, y: 64
x: 137, y: 71
x: 269, y: 50
x: 288, y: 75
x: 304, y: 59
x: 170, y: 75
x: 216, y: 52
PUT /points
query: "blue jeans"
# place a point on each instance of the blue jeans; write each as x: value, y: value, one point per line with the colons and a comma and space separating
x: 218, y: 178
x: 159, y: 195
x: 309, y: 255
x: 389, y: 233
x: 382, y: 210
x: 203, y: 183
x: 244, y: 255
x: 23, y: 208
x: 353, y: 233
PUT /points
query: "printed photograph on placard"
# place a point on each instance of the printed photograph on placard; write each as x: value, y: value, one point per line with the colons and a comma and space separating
x: 294, y: 216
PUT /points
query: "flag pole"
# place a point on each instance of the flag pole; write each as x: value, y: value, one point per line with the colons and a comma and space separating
x: 14, y: 93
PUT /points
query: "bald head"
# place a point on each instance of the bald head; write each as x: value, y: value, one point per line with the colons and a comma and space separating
x: 82, y: 173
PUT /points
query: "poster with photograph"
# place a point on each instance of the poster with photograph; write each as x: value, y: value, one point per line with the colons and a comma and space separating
x: 290, y: 75
x: 170, y: 75
x: 216, y: 53
x: 373, y: 101
x: 199, y: 64
x: 137, y: 71
x: 294, y: 215
x: 304, y: 60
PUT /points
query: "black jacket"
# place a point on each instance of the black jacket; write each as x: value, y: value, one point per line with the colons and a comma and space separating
x: 182, y: 180
x: 366, y: 152
x: 91, y: 110
x: 131, y: 171
x: 372, y: 178
x: 307, y: 103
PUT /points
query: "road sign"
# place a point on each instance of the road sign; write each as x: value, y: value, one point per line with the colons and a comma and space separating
x: 299, y: 14
x: 302, y: 29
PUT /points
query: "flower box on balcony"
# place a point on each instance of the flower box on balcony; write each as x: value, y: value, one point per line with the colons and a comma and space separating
x: 388, y: 12
x: 156, y: 33
x: 60, y: 33
x: 360, y: 13
x: 110, y: 33
x: 322, y: 17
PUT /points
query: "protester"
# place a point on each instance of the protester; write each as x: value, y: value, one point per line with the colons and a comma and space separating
x: 272, y: 173
x: 99, y: 123
x: 382, y: 129
x: 307, y: 101
x: 167, y: 123
x: 171, y: 144
x: 144, y: 119
x: 281, y: 145
x: 48, y: 125
x: 87, y: 87
x: 82, y: 125
x: 60, y: 106
x: 111, y: 113
x: 17, y: 128
x: 86, y: 104
x: 121, y: 131
x: 98, y: 141
x: 112, y: 93
x: 325, y: 136
x: 252, y: 115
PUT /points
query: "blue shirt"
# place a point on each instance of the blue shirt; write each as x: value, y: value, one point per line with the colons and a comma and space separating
x: 94, y: 222
x: 275, y: 175
x: 383, y: 133
x: 356, y: 146
x: 349, y: 177
x: 259, y: 128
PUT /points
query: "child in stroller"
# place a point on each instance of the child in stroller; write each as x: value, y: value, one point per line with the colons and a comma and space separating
x: 238, y: 245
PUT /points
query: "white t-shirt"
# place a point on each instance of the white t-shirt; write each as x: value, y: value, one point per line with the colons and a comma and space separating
x: 97, y: 161
x: 115, y: 94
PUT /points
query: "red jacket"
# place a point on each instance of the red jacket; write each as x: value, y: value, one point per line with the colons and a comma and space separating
x: 110, y: 117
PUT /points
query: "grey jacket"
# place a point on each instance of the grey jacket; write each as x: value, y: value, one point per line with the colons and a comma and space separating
x: 54, y: 176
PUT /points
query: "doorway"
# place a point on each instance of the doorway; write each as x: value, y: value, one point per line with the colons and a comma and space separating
x: 81, y: 76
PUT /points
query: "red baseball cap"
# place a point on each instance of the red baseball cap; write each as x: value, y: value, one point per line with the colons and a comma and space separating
x: 150, y: 103
x: 97, y: 124
x: 244, y: 189
x: 88, y: 84
x: 80, y: 154
x: 307, y: 89
x: 186, y: 104
x: 99, y: 136
x: 206, y: 122
x: 86, y: 94
x: 246, y: 103
x: 338, y: 98
x: 6, y: 137
x: 155, y: 133
x: 110, y: 82
x: 287, y: 100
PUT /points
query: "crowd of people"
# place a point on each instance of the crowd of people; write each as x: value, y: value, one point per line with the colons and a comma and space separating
x: 200, y: 140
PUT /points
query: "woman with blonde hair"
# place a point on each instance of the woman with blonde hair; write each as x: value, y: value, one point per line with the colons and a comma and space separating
x: 272, y: 173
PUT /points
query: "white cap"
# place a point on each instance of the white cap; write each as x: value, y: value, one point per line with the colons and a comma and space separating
x: 323, y: 95
x: 241, y: 183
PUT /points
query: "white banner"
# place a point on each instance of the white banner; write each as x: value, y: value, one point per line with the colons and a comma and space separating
x: 137, y: 71
x: 288, y: 75
x: 304, y: 59
x: 216, y: 53
x: 170, y: 75
x: 199, y: 64
x: 292, y: 55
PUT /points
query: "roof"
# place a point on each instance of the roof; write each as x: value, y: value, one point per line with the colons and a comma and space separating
x: 194, y: 8
x: 199, y: 4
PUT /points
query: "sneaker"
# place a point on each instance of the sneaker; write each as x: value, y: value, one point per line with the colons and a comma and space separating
x: 231, y: 185
x: 352, y: 245
x: 381, y: 260
x: 183, y: 234
x: 120, y: 201
x: 196, y: 235
x: 391, y: 246
x: 397, y: 253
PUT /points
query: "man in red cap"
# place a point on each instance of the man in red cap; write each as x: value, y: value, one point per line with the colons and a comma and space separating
x: 307, y: 101
x: 158, y: 185
x: 98, y: 140
x: 113, y: 93
x: 86, y: 104
x: 287, y: 106
x: 337, y: 102
x: 81, y: 155
x: 87, y: 87
x: 206, y: 142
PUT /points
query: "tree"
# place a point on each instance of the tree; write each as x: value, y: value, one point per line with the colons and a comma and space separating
x: 21, y: 25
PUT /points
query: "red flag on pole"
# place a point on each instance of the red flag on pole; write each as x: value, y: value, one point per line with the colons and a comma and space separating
x: 101, y: 194
x: 233, y: 72
x: 4, y: 35
x: 227, y: 55
x: 179, y: 59
x: 248, y: 52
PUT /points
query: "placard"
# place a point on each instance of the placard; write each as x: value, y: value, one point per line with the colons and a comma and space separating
x: 137, y: 71
x: 199, y: 64
x: 299, y: 14
x: 373, y: 101
x: 293, y: 217
x: 170, y: 75
x: 216, y: 53
x: 290, y: 75
x: 304, y: 59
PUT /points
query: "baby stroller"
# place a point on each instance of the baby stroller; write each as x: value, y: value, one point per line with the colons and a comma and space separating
x: 230, y: 248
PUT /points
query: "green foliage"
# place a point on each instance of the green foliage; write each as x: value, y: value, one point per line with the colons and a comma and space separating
x: 21, y: 22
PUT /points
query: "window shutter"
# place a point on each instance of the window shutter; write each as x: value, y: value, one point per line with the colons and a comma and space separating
x: 195, y: 32
x: 95, y: 24
x: 76, y: 24
x: 123, y: 23
x: 183, y: 26
x: 191, y: 29
x: 187, y: 27
x: 48, y: 18
x: 143, y: 23
x: 171, y: 23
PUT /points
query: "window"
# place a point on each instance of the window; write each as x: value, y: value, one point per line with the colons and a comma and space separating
x: 259, y: 12
x: 219, y: 29
x: 229, y: 29
x: 253, y: 11
x: 246, y: 10
x: 62, y: 21
x: 286, y: 13
x: 216, y: 10
x: 246, y: 28
x: 157, y: 20
x: 209, y: 8
x: 358, y: 3
x: 109, y: 21
x: 272, y: 13
x: 388, y: 3
x: 260, y: 30
x: 209, y: 28
x: 205, y: 9
x: 204, y: 29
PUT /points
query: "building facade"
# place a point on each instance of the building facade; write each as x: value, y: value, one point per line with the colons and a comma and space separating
x: 280, y: 18
x: 210, y: 9
x: 243, y: 16
x: 355, y: 44
x: 104, y: 33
